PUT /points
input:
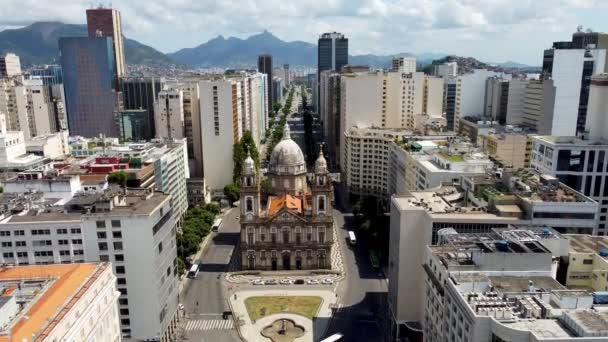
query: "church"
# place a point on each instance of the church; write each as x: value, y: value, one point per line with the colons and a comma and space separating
x: 288, y: 223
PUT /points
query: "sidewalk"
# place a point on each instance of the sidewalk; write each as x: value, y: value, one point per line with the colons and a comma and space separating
x: 250, y: 331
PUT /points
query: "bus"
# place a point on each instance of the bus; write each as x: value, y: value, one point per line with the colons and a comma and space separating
x: 334, y: 338
x: 351, y: 237
x: 193, y: 271
x: 216, y: 225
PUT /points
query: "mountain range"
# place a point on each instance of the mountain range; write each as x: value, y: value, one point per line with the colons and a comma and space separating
x: 37, y: 44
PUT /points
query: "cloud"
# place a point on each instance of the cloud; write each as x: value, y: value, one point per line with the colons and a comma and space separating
x: 471, y: 27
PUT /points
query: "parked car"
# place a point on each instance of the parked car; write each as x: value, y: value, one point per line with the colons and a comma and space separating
x: 327, y: 281
x: 180, y: 306
x: 299, y: 282
x: 226, y: 314
x: 271, y: 282
x: 258, y: 282
x: 312, y: 282
x: 286, y: 282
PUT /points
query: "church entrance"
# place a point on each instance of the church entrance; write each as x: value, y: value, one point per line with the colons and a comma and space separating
x: 286, y: 262
x: 274, y: 264
x: 298, y: 263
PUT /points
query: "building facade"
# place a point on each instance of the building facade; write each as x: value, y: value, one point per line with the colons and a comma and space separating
x: 107, y: 22
x: 265, y: 67
x: 290, y: 225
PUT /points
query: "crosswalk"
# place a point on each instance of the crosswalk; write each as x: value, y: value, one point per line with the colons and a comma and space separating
x: 210, y: 324
x: 348, y: 310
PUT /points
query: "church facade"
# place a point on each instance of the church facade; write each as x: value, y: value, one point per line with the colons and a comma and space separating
x: 289, y: 224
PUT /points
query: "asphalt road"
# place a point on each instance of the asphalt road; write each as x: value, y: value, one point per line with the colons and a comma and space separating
x: 206, y: 297
x: 362, y: 294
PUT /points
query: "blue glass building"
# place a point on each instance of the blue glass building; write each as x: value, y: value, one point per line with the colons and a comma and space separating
x: 88, y: 82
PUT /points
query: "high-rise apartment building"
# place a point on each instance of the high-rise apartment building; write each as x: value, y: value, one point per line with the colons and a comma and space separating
x: 169, y: 114
x: 449, y: 103
x: 470, y: 89
x: 265, y: 67
x: 446, y: 71
x: 106, y: 22
x: 515, y: 102
x: 496, y: 99
x: 287, y: 75
x: 10, y: 65
x: 88, y: 74
x: 570, y: 65
x: 538, y: 106
x: 404, y: 64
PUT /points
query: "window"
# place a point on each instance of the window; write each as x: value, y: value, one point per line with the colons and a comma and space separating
x: 7, y: 244
x: 101, y: 235
x: 8, y: 255
x: 321, y: 203
x: 19, y: 232
x: 104, y: 258
x: 125, y: 321
x: 77, y: 241
x: 160, y: 247
x: 120, y: 270
x: 100, y: 224
x: 62, y: 231
x: 20, y: 243
x: 249, y: 206
x: 119, y: 257
x: 103, y: 246
x: 322, y: 237
x: 124, y: 312
x: 588, y: 261
x: 64, y: 253
x: 62, y: 242
x: 5, y: 233
x: 43, y: 253
x: 285, y: 237
x: 123, y: 291
x: 121, y: 281
x: 118, y: 246
x: 116, y: 223
x: 78, y: 252
x: 123, y: 301
x: 22, y: 254
x: 38, y: 243
x: 117, y: 235
x: 75, y: 231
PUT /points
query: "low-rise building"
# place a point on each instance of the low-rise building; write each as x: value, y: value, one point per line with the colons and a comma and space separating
x: 587, y: 262
x: 50, y: 146
x: 72, y: 302
x: 509, y: 147
x: 500, y: 286
x: 478, y: 205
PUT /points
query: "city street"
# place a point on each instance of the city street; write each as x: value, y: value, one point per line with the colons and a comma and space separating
x: 361, y: 314
x: 209, y: 289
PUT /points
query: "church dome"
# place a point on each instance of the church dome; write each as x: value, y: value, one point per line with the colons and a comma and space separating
x: 287, y: 157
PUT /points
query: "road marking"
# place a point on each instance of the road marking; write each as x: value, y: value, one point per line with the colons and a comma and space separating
x: 210, y: 324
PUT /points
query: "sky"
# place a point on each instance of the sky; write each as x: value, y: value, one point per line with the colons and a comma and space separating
x: 489, y: 30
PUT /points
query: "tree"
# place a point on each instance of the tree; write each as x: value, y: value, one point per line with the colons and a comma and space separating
x: 232, y: 192
x: 240, y: 151
x: 119, y: 177
x: 276, y: 107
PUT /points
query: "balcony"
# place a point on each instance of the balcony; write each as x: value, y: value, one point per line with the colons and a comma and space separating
x: 291, y: 245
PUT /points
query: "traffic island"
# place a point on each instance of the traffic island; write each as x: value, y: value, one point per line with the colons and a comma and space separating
x: 258, y: 307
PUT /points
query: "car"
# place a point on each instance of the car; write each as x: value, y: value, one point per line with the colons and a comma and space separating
x: 327, y: 281
x: 258, y: 282
x: 312, y: 282
x: 286, y: 282
x: 299, y: 282
x: 180, y: 306
x: 271, y: 282
x: 226, y: 314
x: 238, y: 217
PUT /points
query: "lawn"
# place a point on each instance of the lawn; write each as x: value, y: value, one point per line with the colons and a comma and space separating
x: 453, y: 157
x: 258, y: 307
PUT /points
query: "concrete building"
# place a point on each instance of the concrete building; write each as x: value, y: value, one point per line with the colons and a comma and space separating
x: 507, y: 148
x: 169, y: 114
x: 578, y: 163
x: 587, y: 264
x: 449, y: 104
x: 330, y: 115
x: 50, y: 74
x: 141, y: 93
x: 10, y: 65
x: 288, y: 229
x: 470, y: 88
x: 515, y: 104
x: 332, y: 54
x: 478, y: 205
x: 501, y: 286
x: 75, y: 302
x: 496, y: 99
x: 597, y: 123
x: 86, y: 62
x: 570, y: 65
x: 405, y: 65
x: 107, y: 22
x: 220, y: 128
x: 49, y: 146
x: 13, y: 154
x: 134, y: 125
x: 446, y: 71
x: 426, y: 162
x: 538, y: 107
x: 277, y: 90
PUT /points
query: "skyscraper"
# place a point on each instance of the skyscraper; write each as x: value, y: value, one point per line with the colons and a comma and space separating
x: 332, y: 52
x: 265, y: 67
x: 10, y: 65
x: 88, y: 69
x: 106, y: 22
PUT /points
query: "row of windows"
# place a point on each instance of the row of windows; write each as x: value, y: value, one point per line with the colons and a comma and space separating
x: 60, y: 231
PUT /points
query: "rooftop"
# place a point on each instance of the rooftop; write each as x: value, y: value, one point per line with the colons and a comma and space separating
x: 46, y: 293
x: 582, y: 243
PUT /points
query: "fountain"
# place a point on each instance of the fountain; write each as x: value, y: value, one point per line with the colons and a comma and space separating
x: 283, y: 330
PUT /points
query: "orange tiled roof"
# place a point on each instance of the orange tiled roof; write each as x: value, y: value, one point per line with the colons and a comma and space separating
x: 68, y: 279
x: 293, y: 203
